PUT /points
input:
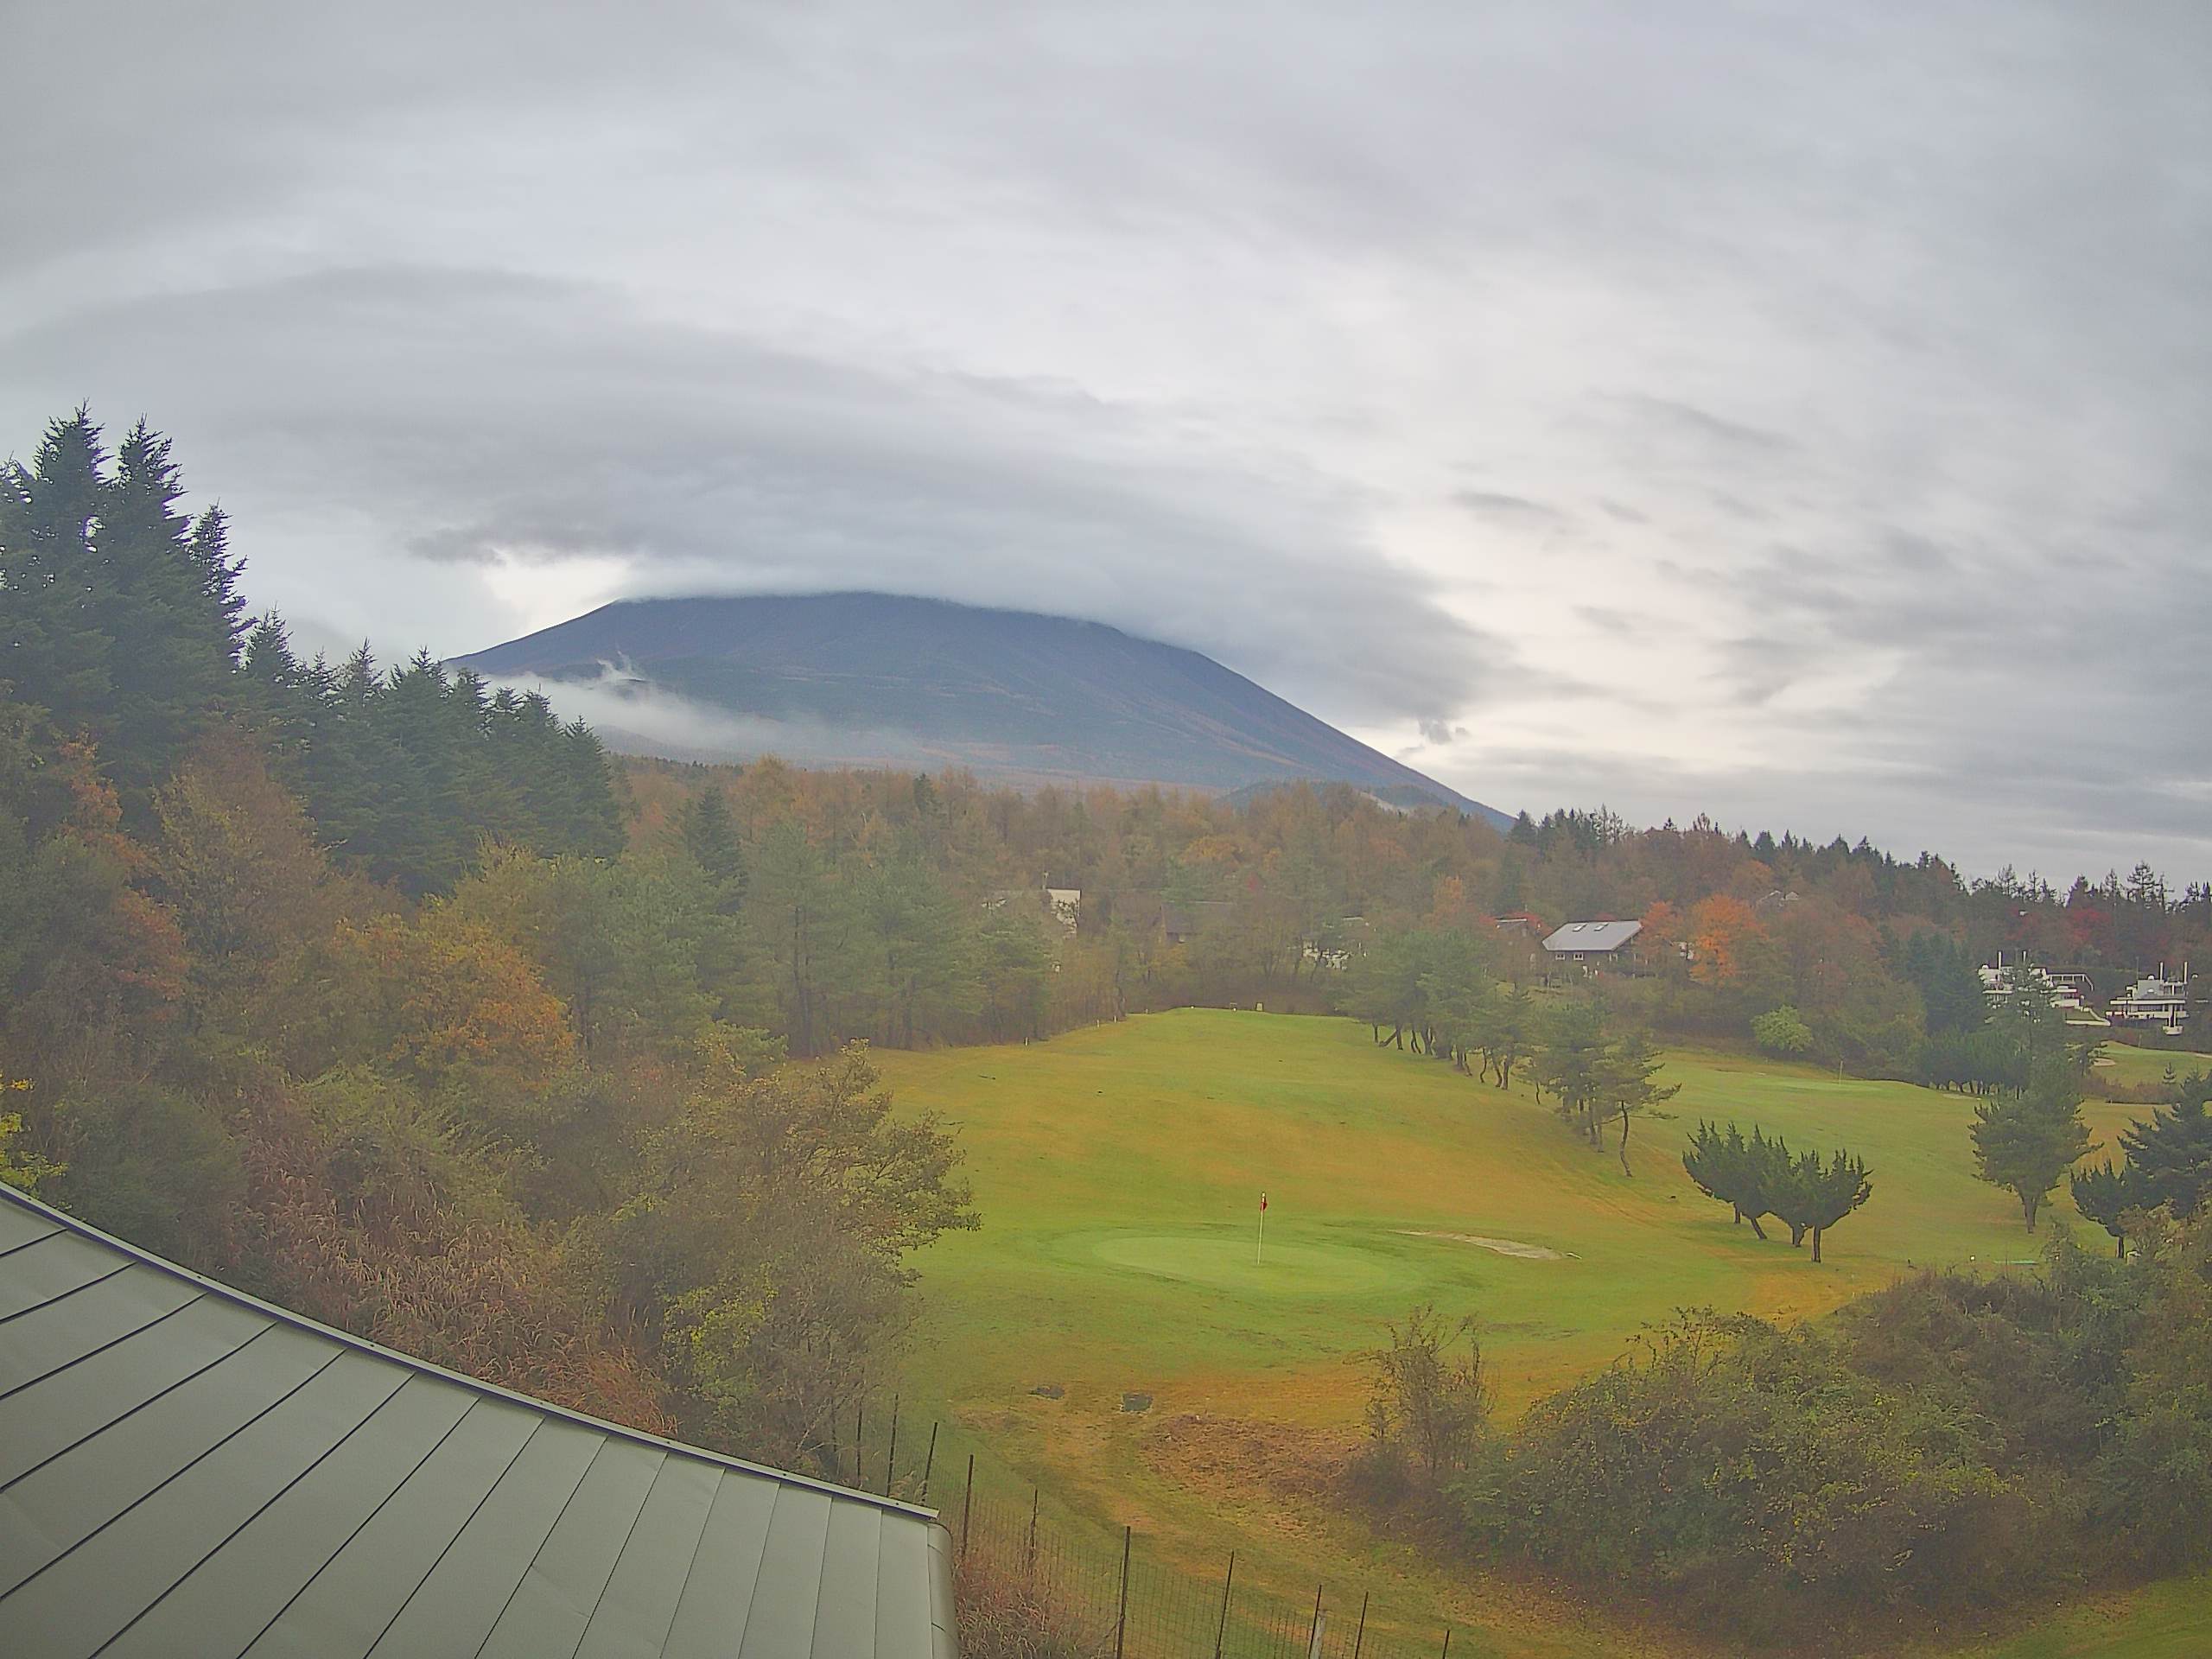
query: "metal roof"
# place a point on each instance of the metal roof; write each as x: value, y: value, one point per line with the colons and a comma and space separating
x: 187, y: 1470
x: 1593, y: 935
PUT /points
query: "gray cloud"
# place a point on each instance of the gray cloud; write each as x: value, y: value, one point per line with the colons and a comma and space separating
x: 1492, y: 503
x: 564, y: 426
x: 1883, y: 360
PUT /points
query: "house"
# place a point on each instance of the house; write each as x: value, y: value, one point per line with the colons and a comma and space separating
x: 188, y: 1470
x: 1520, y: 924
x: 2153, y: 1000
x: 2067, y: 991
x: 1594, y: 945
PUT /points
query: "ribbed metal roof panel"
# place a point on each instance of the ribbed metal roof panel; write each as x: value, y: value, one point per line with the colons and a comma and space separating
x: 185, y: 1470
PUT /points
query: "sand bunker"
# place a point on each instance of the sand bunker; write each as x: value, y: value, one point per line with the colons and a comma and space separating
x: 1503, y: 1246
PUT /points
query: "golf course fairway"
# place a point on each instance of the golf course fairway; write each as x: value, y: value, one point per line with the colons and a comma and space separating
x: 1119, y: 1169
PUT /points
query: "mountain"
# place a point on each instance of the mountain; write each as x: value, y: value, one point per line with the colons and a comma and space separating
x: 878, y: 680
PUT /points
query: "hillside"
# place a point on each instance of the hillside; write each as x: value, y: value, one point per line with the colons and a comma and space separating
x: 872, y: 679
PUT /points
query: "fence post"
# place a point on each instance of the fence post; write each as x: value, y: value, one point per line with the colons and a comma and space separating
x: 1227, y: 1582
x: 859, y: 1443
x: 1122, y: 1614
x: 891, y: 1455
x: 1035, y: 1493
x: 1447, y: 1642
x: 929, y: 1463
x: 1359, y: 1639
x: 1314, y: 1630
x: 968, y: 1508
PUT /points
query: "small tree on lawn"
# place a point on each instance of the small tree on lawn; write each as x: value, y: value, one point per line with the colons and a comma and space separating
x: 1571, y: 1063
x: 1714, y: 1163
x: 2025, y: 1144
x: 1627, y: 1077
x: 1815, y: 1196
x: 1748, y: 1175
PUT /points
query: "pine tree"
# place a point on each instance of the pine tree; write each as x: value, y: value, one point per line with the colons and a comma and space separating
x: 59, y: 653
x: 2107, y: 1195
x: 171, y: 608
x: 2170, y: 1157
x: 1815, y: 1196
x: 1627, y: 1078
x: 709, y: 835
x: 2026, y: 1143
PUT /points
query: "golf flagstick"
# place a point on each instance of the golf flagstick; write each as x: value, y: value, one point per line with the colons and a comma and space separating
x: 1259, y: 1247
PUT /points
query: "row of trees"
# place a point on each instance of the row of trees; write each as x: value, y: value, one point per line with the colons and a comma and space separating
x: 1439, y: 989
x: 1758, y: 1178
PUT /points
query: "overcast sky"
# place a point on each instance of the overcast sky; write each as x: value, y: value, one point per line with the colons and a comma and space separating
x: 1797, y: 413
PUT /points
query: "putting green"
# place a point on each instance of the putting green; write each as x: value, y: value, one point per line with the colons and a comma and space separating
x: 1223, y: 1262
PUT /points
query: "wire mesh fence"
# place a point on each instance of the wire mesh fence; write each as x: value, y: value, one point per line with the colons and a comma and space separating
x: 1123, y: 1603
x: 1107, y: 1594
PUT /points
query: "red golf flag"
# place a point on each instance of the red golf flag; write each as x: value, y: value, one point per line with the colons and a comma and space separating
x: 1263, y: 1200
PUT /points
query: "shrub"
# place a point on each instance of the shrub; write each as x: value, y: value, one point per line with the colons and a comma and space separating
x: 1783, y: 1031
x: 1754, y: 1479
x: 1429, y: 1407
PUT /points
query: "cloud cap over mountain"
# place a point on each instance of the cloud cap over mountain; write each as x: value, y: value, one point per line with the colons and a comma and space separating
x: 1800, y: 415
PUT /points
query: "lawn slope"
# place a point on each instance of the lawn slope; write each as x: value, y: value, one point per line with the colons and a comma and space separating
x: 1119, y: 1172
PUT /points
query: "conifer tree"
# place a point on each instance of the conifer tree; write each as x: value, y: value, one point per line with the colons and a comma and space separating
x: 710, y: 835
x: 59, y: 653
x: 2170, y: 1157
x: 2107, y: 1194
x: 2025, y: 1143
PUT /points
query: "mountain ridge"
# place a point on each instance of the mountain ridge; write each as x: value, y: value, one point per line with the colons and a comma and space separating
x: 856, y: 678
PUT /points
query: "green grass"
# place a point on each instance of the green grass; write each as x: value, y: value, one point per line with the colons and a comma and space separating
x: 2131, y: 1065
x: 1119, y: 1170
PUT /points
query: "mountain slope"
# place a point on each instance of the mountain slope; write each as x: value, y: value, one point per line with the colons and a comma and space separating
x: 872, y: 679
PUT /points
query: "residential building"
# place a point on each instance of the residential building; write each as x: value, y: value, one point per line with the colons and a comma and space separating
x: 1593, y: 944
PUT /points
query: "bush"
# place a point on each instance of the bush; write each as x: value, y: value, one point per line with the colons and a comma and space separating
x: 1757, y: 1481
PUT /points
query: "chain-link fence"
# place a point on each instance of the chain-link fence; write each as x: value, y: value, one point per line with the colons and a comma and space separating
x: 1106, y: 1595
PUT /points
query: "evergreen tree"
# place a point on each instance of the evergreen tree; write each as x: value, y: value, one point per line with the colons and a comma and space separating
x: 709, y: 835
x: 1515, y: 1033
x: 2170, y: 1157
x: 2026, y: 1143
x: 171, y: 609
x: 1627, y: 1079
x: 1814, y: 1196
x: 59, y: 595
x: 2107, y: 1195
x: 1570, y: 1063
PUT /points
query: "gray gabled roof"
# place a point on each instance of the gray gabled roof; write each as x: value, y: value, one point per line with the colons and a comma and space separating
x: 185, y: 1470
x: 1593, y: 935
